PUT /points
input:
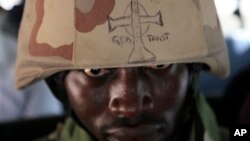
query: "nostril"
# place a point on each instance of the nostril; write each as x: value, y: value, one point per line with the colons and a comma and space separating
x: 123, y: 109
x: 114, y: 104
x: 147, y: 103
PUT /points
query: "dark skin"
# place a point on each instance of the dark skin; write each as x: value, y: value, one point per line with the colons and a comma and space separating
x: 129, y: 104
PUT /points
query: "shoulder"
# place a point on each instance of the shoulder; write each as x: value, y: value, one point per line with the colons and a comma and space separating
x: 53, y: 136
x: 68, y: 131
x: 224, y: 132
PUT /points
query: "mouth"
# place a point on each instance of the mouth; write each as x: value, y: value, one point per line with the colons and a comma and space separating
x: 136, y: 133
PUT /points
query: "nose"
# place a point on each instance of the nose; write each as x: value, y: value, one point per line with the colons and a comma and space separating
x: 130, y: 95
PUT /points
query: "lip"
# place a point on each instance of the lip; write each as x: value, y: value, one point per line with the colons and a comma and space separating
x: 136, y: 133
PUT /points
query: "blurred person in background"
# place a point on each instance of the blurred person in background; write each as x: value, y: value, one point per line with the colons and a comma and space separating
x: 33, y: 102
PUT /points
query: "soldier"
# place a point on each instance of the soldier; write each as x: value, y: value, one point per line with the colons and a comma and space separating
x: 127, y: 69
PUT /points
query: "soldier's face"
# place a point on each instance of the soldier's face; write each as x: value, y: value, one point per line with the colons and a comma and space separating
x: 128, y: 104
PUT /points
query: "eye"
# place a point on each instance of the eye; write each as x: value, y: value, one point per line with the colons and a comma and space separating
x: 160, y: 67
x: 96, y: 72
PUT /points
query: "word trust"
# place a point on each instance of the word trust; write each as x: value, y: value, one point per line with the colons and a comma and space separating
x: 122, y: 40
x: 163, y: 37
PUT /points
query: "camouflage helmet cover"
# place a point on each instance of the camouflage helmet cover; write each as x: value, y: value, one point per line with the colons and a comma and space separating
x: 57, y: 35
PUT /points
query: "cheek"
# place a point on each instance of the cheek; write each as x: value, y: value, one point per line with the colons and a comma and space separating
x: 170, y: 94
x: 89, y: 104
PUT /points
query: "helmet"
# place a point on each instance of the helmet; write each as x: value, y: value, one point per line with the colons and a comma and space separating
x: 58, y: 35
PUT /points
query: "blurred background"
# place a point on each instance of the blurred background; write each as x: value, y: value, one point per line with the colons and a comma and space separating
x: 32, y: 112
x: 229, y: 97
x: 33, y: 102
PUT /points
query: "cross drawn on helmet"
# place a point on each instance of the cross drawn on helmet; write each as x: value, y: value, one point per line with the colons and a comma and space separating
x: 135, y: 20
